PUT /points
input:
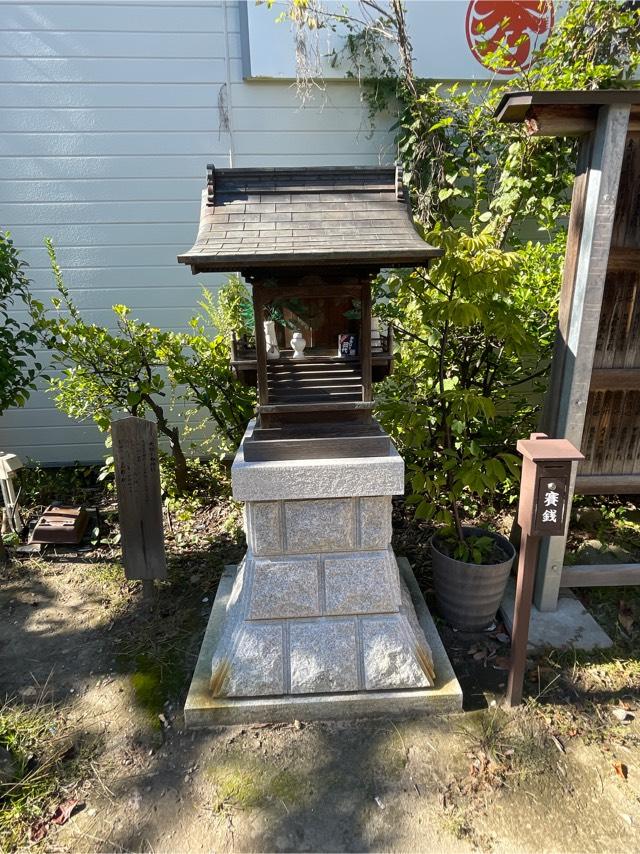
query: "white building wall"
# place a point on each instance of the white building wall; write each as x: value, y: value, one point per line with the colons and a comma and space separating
x: 109, y: 113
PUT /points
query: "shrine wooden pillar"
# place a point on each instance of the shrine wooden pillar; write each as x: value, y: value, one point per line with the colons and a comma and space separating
x: 606, y: 123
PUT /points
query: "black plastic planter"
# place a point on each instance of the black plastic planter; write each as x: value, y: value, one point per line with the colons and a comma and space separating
x: 468, y: 594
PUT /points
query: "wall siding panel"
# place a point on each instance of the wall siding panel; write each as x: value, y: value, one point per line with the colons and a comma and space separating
x: 109, y: 116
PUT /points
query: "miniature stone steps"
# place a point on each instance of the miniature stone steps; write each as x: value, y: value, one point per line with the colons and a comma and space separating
x: 315, y: 430
x: 316, y: 381
x: 319, y: 396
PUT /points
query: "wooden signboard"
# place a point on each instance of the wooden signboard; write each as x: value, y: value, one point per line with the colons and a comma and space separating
x: 135, y: 451
x: 542, y: 514
x: 549, y: 511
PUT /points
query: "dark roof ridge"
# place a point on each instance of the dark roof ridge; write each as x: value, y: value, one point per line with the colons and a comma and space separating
x: 257, y: 217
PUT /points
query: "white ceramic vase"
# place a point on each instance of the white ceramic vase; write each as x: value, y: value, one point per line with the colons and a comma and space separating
x: 271, y: 341
x: 298, y: 343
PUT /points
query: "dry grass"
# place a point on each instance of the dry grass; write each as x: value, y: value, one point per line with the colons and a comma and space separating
x: 40, y: 766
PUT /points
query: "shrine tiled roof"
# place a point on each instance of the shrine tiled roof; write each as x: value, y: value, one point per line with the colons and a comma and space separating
x: 261, y: 218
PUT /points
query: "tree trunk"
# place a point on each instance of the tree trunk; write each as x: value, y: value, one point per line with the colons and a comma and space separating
x: 173, y: 434
x: 180, y: 462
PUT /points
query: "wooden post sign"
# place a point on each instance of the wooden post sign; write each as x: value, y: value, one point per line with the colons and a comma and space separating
x: 542, y: 512
x: 135, y: 452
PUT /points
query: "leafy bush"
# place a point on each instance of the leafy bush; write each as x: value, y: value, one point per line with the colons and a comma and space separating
x: 474, y: 332
x: 139, y: 369
x: 19, y: 367
x: 230, y: 310
x: 477, y: 328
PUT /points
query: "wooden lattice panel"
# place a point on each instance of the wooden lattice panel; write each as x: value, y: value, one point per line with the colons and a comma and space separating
x: 611, y: 439
x: 618, y: 344
x: 611, y: 436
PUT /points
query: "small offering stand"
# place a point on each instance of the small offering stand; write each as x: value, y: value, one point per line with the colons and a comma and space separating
x: 317, y: 621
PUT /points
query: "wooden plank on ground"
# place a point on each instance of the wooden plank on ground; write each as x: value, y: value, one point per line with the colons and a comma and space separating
x: 135, y: 451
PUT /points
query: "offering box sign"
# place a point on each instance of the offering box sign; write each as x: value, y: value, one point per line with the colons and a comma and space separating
x: 347, y: 345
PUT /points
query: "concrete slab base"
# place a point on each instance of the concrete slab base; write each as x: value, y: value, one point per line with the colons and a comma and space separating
x: 570, y: 625
x: 201, y: 709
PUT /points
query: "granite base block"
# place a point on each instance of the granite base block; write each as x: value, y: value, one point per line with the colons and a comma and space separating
x: 202, y: 709
x: 283, y: 480
x: 361, y: 638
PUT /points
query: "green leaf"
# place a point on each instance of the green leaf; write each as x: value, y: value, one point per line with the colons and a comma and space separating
x: 424, y: 510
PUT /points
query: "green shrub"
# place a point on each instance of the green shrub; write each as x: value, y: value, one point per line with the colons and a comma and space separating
x: 19, y: 367
x: 474, y: 332
x: 138, y: 369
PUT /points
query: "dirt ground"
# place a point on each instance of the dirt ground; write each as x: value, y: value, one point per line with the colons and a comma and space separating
x: 560, y: 775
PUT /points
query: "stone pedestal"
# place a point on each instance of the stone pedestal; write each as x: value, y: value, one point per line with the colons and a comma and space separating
x: 317, y: 606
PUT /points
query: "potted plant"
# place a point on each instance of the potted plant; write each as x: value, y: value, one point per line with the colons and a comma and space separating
x: 450, y: 408
x: 470, y: 572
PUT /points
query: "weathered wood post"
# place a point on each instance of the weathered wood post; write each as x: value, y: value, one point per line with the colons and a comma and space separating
x: 595, y: 378
x: 542, y: 513
x: 135, y: 452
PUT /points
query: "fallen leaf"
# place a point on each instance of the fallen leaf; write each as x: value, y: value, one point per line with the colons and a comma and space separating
x: 621, y: 770
x: 38, y: 831
x: 501, y: 662
x: 64, y: 811
x: 501, y: 637
x: 622, y: 715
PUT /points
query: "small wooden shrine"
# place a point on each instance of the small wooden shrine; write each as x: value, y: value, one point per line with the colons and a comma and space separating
x: 317, y: 620
x: 594, y: 390
x: 310, y: 240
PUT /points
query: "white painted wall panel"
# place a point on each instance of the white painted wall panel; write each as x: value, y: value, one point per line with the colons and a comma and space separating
x: 94, y: 45
x: 110, y: 70
x: 110, y: 120
x: 116, y: 17
x: 102, y: 166
x: 170, y: 141
x: 98, y: 95
x: 108, y: 117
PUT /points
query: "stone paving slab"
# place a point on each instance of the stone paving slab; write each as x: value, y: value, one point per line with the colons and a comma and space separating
x: 569, y: 626
x: 201, y: 709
